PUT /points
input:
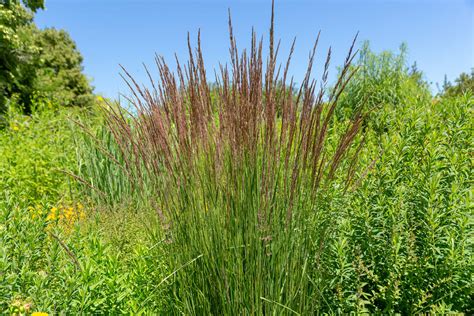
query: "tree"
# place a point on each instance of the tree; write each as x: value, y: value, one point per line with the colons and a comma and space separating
x: 462, y: 84
x: 15, y: 46
x: 32, y: 5
x: 37, y: 63
x: 59, y: 74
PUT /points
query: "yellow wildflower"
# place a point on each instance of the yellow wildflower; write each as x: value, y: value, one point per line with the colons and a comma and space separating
x: 53, y: 214
x: 39, y: 314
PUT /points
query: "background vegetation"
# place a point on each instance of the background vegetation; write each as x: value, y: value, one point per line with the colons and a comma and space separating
x: 57, y: 252
x: 37, y: 63
x: 100, y: 213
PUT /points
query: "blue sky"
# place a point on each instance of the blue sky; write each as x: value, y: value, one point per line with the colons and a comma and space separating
x: 439, y: 33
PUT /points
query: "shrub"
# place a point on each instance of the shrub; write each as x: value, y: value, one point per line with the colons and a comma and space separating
x: 402, y: 243
x: 383, y: 81
x: 34, y: 150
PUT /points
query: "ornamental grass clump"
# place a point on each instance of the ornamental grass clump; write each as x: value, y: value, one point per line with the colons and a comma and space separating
x: 240, y: 173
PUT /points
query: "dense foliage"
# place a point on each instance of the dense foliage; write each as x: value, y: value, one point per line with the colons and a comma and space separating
x: 37, y: 63
x: 33, y: 155
x: 57, y: 254
x: 383, y: 81
x: 15, y: 47
x: 58, y: 67
x: 463, y: 84
x: 249, y: 197
x: 33, y: 5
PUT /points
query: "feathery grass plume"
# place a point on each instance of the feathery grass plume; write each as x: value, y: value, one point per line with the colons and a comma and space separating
x: 239, y: 170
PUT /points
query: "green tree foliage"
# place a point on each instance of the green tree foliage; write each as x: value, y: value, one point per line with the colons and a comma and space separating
x: 32, y: 5
x: 59, y: 69
x: 37, y: 63
x: 463, y: 84
x: 15, y: 47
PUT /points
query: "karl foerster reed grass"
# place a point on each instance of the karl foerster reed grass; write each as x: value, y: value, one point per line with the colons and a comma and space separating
x: 238, y: 172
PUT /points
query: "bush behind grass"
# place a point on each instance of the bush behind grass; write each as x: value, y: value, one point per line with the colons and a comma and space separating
x: 383, y: 81
x: 34, y: 150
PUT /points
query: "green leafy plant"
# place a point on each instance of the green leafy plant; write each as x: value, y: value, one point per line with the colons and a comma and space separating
x: 57, y: 255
